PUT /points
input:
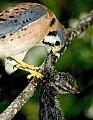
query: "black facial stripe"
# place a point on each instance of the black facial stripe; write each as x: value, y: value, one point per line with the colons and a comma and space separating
x: 52, y: 22
x: 47, y: 43
x: 54, y: 33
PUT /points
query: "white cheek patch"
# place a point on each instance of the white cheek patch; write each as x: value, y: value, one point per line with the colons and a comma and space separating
x: 51, y: 40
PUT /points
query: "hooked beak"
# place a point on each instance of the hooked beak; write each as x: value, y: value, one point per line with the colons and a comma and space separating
x: 56, y: 51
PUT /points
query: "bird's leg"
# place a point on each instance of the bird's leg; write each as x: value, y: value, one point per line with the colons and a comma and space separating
x: 29, y: 68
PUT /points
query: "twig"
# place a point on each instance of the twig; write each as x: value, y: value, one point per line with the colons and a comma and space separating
x: 71, y: 33
x: 22, y: 98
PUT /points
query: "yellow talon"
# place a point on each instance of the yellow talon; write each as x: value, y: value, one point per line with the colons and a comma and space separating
x: 24, y: 65
x: 35, y: 74
x: 29, y: 68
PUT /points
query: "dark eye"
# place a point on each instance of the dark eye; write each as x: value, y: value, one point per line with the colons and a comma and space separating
x: 57, y: 43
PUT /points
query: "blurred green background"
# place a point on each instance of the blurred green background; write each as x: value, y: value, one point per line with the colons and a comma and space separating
x: 77, y: 60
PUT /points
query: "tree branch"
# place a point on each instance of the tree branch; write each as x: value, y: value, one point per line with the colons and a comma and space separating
x: 22, y: 98
x: 71, y: 33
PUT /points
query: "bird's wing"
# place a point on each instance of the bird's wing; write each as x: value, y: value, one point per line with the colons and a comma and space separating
x: 13, y: 23
x: 23, y: 30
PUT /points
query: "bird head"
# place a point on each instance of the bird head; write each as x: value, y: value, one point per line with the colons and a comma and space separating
x: 54, y: 39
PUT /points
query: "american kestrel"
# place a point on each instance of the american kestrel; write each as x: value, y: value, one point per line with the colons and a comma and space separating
x: 24, y: 26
